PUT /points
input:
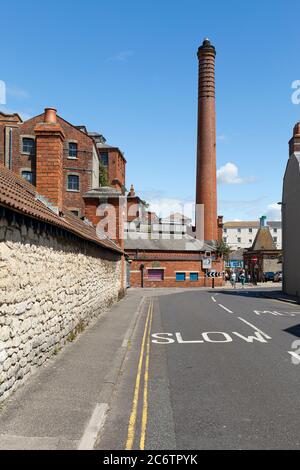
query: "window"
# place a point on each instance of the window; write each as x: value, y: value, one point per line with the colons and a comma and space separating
x: 250, y: 240
x: 239, y: 230
x: 28, y: 175
x: 28, y: 145
x: 104, y: 158
x: 275, y: 239
x: 194, y: 276
x: 275, y: 230
x: 225, y: 230
x: 73, y: 150
x: 73, y: 183
x: 225, y: 239
x: 239, y: 240
x: 180, y: 276
x: 75, y: 212
x: 250, y: 230
x: 155, y: 274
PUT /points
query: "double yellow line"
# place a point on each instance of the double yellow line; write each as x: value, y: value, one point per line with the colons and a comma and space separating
x: 134, y: 412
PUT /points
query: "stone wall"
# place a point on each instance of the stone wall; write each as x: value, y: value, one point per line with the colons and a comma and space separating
x: 51, y: 287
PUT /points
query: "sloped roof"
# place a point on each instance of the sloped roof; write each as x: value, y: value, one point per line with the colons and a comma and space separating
x: 19, y: 195
x: 184, y: 243
x: 237, y: 255
x: 263, y: 240
x: 251, y: 224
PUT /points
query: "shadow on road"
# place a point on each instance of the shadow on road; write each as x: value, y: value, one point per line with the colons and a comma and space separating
x: 257, y: 293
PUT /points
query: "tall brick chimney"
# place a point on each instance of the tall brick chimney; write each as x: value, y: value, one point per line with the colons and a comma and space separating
x: 206, y: 185
x: 49, y: 158
x: 294, y: 143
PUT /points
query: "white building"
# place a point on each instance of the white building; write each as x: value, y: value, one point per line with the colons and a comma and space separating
x: 242, y: 234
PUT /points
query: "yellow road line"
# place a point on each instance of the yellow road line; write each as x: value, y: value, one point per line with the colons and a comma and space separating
x: 133, y: 416
x: 146, y: 378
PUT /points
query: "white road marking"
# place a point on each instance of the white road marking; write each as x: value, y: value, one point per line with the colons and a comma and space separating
x: 226, y: 338
x: 182, y: 341
x: 213, y: 299
x: 296, y: 357
x: 255, y: 328
x: 225, y: 308
x: 93, y: 428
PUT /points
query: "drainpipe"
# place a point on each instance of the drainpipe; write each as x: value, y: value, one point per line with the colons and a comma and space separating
x: 142, y: 275
x: 10, y: 149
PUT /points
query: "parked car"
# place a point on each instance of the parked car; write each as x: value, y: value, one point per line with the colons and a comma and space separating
x: 269, y: 276
x: 278, y: 276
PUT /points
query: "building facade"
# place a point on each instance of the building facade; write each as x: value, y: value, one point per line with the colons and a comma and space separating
x: 263, y: 256
x: 82, y: 153
x: 241, y: 235
x: 291, y: 217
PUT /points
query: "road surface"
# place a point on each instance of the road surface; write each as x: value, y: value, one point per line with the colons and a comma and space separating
x: 209, y: 370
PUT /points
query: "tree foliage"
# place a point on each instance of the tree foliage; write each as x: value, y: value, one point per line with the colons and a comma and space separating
x: 103, y: 175
x: 223, y: 250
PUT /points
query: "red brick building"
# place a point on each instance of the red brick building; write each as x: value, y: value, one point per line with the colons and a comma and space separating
x: 112, y: 159
x: 81, y: 154
x: 172, y: 262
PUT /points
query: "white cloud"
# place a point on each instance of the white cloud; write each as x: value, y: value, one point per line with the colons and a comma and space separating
x: 163, y: 207
x: 121, y: 56
x: 273, y: 212
x: 222, y: 137
x: 229, y: 174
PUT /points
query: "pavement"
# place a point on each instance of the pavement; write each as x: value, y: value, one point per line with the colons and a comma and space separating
x: 57, y: 407
x: 169, y: 369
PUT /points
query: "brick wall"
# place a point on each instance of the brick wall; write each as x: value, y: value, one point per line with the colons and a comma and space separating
x: 51, y: 287
x: 181, y: 262
x: 82, y: 166
x: 116, y: 167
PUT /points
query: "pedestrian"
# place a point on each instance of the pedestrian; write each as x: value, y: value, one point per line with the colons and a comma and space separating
x: 233, y: 279
x: 243, y: 278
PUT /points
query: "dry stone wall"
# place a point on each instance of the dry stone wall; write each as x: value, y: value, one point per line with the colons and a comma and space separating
x: 50, y: 289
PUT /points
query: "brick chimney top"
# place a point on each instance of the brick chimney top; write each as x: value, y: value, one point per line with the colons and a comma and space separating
x: 206, y: 48
x: 297, y: 129
x: 50, y: 116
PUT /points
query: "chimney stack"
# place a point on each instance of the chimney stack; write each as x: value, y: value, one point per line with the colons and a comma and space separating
x: 206, y: 185
x: 294, y: 143
x: 263, y: 221
x: 50, y: 116
x: 49, y: 158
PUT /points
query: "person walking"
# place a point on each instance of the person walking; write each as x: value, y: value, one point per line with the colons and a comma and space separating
x: 233, y: 279
x: 243, y: 278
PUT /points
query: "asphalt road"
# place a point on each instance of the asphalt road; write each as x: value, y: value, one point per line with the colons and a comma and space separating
x: 223, y: 375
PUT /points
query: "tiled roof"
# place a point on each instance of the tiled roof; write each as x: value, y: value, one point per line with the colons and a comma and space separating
x: 137, y: 241
x: 263, y: 240
x: 250, y: 224
x: 19, y: 195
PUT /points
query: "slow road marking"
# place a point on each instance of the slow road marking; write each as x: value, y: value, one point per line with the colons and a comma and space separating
x: 220, y: 337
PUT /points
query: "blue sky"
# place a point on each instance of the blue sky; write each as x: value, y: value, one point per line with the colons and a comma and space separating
x: 129, y: 70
